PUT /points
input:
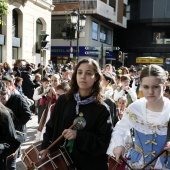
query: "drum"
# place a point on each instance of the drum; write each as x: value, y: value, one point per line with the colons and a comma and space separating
x: 58, y: 160
x: 114, y: 165
x: 30, y: 155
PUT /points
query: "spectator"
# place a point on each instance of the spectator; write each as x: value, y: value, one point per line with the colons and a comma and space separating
x: 8, y: 138
x: 7, y: 68
x: 16, y: 69
x: 18, y: 85
x: 21, y: 111
x: 39, y: 93
x: 125, y: 90
x: 28, y: 85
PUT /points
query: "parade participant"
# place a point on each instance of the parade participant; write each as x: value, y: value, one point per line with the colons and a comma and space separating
x: 8, y: 138
x: 83, y: 102
x: 149, y: 118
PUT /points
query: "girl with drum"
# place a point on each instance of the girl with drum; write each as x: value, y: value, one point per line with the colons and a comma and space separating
x: 149, y: 118
x: 87, y: 142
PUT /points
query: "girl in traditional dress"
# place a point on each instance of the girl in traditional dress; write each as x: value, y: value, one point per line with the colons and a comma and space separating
x: 149, y: 118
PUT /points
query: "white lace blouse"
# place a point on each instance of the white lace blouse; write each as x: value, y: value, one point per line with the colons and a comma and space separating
x: 141, y: 119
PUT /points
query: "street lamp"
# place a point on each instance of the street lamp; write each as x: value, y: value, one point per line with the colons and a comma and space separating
x: 79, y: 21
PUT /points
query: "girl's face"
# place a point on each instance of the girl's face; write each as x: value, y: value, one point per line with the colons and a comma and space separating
x: 55, y: 81
x: 152, y: 88
x: 121, y: 103
x: 85, y: 77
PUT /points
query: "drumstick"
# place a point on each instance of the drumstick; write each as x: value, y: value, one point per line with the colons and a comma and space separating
x: 59, y: 138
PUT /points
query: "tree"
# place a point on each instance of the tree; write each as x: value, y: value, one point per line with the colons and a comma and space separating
x: 3, y: 10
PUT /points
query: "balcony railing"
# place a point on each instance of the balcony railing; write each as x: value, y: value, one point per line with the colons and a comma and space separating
x: 64, y: 1
x: 84, y: 4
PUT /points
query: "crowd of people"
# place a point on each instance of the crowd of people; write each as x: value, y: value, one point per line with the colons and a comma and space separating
x: 115, y: 108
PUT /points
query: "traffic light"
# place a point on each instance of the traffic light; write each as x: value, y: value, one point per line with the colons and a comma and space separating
x: 42, y: 40
x: 120, y: 56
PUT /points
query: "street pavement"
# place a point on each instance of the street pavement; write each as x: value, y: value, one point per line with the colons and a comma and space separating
x: 31, y: 132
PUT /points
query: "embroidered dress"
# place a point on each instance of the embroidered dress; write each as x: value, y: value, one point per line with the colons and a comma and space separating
x: 150, y: 131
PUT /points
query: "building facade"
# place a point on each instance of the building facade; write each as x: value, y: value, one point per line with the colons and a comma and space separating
x: 23, y: 25
x: 96, y: 38
x: 147, y: 33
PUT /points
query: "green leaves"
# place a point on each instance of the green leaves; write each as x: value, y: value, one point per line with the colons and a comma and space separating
x: 3, y: 10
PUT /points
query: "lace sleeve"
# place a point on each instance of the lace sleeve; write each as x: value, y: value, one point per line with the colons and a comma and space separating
x: 119, y: 134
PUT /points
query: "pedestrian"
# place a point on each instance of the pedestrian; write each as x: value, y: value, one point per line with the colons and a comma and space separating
x: 83, y: 102
x: 149, y: 118
x: 21, y: 110
x: 8, y: 138
x: 41, y: 92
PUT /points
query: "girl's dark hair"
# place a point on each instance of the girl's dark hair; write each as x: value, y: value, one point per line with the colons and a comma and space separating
x: 154, y: 70
x: 97, y: 89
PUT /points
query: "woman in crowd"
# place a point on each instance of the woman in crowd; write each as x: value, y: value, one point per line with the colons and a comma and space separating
x: 16, y: 69
x: 149, y: 118
x: 7, y: 68
x: 82, y: 103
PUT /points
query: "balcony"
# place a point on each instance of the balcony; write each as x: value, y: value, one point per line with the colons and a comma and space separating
x: 93, y: 7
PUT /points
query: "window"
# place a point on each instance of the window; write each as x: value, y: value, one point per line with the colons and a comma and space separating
x: 112, y: 3
x: 94, y: 31
x: 39, y: 27
x: 162, y: 37
x: 105, y: 35
x: 14, y: 53
x: 124, y: 10
x: 56, y: 28
x: 15, y: 24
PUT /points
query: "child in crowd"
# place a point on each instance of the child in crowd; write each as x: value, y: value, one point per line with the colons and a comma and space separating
x: 122, y: 104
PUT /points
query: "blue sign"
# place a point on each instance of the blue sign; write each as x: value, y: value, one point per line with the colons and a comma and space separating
x: 110, y: 55
x: 65, y: 51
